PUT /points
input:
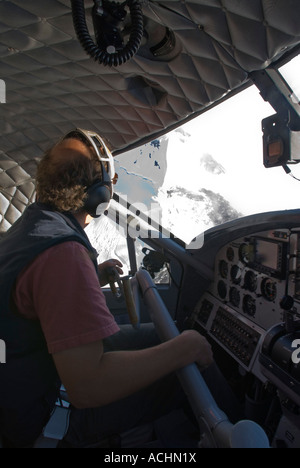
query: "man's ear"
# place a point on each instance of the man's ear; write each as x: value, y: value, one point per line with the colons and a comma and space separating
x: 88, y: 219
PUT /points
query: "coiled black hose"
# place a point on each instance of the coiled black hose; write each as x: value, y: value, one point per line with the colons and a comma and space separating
x: 100, y: 55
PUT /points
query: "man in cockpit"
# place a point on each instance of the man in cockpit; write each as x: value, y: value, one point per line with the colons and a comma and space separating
x: 55, y: 321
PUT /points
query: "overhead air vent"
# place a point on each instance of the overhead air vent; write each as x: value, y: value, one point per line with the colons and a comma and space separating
x: 145, y: 91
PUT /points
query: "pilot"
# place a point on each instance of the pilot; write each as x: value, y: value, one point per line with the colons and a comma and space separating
x: 55, y: 322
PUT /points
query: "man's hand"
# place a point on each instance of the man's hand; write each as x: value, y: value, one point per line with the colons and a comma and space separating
x: 104, y: 270
x: 199, y: 347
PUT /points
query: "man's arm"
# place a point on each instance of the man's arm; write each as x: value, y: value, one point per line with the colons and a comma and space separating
x: 94, y: 378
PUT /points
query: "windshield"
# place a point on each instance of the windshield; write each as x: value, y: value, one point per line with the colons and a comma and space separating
x: 208, y: 171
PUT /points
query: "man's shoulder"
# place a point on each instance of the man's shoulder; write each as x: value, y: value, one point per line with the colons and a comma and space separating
x: 70, y: 249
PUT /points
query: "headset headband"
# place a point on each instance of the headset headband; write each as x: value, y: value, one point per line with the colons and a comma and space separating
x: 100, y: 193
x: 102, y: 152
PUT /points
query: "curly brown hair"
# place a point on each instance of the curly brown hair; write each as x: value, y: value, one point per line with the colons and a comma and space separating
x: 63, y: 176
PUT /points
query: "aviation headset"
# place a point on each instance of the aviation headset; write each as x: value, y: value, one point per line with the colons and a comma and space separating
x: 100, y: 192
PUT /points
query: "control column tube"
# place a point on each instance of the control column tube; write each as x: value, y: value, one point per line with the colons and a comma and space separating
x: 215, y: 428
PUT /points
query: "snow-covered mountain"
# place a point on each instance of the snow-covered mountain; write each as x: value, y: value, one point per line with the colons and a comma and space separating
x: 200, y: 209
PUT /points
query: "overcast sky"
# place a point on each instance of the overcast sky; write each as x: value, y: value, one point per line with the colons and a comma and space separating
x: 231, y: 134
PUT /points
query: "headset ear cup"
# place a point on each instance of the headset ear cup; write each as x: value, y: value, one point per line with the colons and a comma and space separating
x: 98, y: 198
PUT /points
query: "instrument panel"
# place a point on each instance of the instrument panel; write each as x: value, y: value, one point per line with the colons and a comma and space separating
x: 233, y: 332
x: 252, y: 276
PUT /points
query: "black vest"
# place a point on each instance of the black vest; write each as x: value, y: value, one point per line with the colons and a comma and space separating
x: 29, y: 371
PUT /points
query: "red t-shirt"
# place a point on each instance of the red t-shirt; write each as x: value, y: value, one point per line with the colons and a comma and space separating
x: 61, y: 288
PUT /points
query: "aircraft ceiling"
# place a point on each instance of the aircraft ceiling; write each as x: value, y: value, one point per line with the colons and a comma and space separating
x: 192, y: 54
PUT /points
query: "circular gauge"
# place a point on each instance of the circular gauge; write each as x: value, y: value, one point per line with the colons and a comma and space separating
x: 234, y: 296
x: 230, y: 254
x: 222, y: 289
x: 268, y: 289
x: 249, y: 306
x: 250, y: 281
x: 235, y: 274
x: 245, y: 253
x: 223, y: 269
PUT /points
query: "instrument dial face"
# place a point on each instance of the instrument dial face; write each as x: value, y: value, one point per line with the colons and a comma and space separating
x: 249, y: 306
x: 222, y: 289
x: 235, y: 274
x: 250, y: 281
x: 234, y: 296
x: 245, y: 253
x: 269, y: 289
x: 223, y: 268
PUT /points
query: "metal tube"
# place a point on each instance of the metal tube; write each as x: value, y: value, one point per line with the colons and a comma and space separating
x: 190, y: 376
x: 217, y: 430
